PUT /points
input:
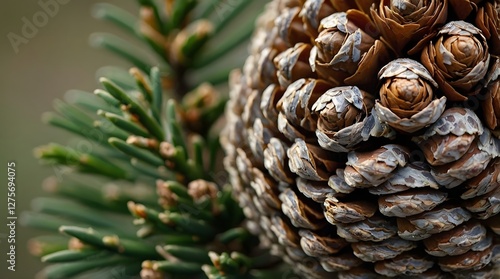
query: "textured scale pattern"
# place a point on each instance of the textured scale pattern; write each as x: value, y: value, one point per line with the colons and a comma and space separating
x: 363, y: 137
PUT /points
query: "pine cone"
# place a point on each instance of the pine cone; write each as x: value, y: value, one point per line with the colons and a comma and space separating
x: 349, y: 147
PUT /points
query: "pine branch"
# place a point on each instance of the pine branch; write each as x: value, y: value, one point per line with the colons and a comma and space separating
x: 141, y: 201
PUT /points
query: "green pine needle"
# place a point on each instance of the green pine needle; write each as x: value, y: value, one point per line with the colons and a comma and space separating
x: 188, y: 254
x: 125, y: 246
x: 180, y: 11
x: 116, y: 15
x: 73, y: 255
x: 117, y: 75
x: 68, y: 270
x: 181, y: 268
x: 121, y: 48
x: 135, y: 152
x: 150, y: 124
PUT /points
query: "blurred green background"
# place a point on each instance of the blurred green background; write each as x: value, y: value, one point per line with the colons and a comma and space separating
x: 56, y: 59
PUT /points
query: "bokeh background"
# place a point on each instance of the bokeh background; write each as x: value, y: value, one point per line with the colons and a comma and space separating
x: 56, y: 59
